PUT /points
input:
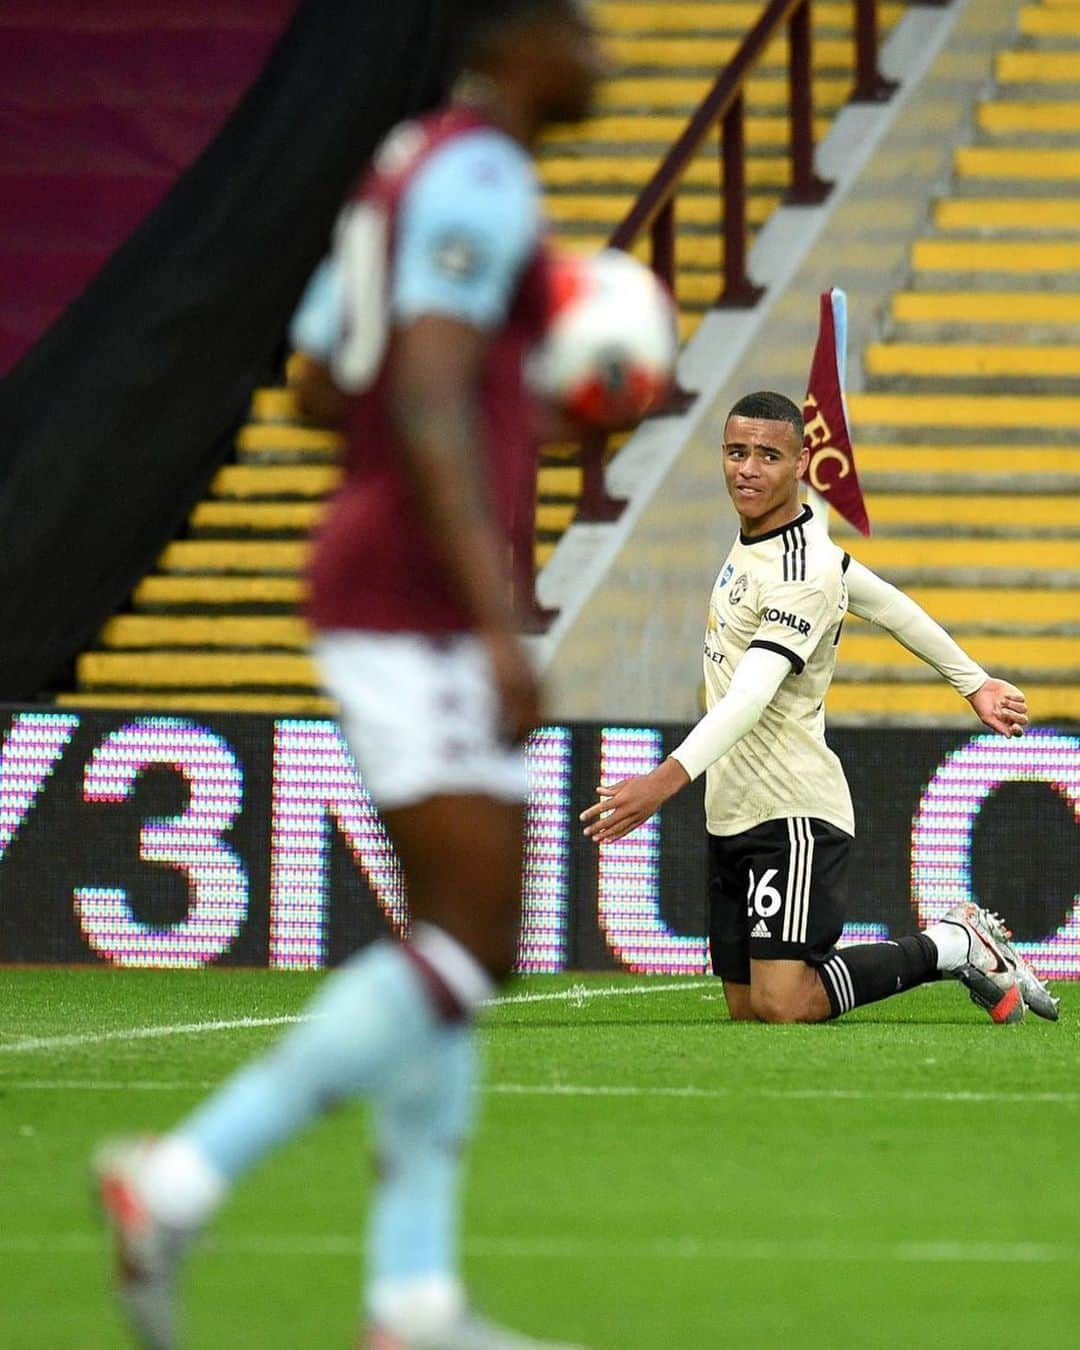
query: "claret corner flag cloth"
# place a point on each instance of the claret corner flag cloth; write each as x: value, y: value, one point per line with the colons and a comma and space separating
x: 831, y: 468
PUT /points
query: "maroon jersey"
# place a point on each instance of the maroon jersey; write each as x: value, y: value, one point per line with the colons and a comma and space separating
x: 373, y: 566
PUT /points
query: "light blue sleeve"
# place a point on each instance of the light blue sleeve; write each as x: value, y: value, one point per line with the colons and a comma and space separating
x: 469, y: 222
x: 317, y: 324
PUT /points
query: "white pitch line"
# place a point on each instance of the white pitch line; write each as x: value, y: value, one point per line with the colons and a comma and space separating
x: 928, y: 1251
x: 102, y: 1085
x: 31, y: 1043
x: 600, y: 1090
x: 776, y: 1094
x: 577, y: 995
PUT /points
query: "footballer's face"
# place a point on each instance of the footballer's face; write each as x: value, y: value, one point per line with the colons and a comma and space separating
x: 763, y: 460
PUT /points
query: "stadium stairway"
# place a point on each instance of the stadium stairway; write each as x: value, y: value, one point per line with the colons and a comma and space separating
x: 215, y: 626
x: 969, y: 426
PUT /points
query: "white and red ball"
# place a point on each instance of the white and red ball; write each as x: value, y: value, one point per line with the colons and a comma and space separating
x: 608, y: 354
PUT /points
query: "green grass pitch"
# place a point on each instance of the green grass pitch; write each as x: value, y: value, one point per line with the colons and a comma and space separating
x: 646, y: 1175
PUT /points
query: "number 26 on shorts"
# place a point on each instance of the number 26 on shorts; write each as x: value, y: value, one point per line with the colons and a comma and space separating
x: 762, y: 899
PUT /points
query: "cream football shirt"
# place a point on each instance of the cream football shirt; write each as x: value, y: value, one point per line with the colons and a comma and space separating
x: 784, y: 591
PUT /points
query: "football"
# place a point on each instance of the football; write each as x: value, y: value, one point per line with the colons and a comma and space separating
x: 608, y: 353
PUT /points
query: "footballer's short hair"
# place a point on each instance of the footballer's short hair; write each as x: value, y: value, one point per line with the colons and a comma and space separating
x: 770, y: 407
x: 481, y: 21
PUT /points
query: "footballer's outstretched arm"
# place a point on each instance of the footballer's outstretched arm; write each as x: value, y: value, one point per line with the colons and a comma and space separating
x: 625, y: 805
x: 999, y: 704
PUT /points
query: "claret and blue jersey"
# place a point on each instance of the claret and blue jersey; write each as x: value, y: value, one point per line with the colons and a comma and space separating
x: 449, y: 223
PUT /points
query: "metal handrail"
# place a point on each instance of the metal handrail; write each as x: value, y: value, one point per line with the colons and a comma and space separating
x: 654, y: 209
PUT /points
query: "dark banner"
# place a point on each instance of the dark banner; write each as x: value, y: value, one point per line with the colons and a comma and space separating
x: 186, y: 841
x: 112, y: 424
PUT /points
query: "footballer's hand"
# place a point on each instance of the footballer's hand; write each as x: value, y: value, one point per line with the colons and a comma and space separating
x: 625, y: 805
x: 516, y: 685
x: 1001, y: 706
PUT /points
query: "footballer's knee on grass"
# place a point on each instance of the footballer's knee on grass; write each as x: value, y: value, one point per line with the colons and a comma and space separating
x: 740, y: 1008
x: 462, y: 859
x: 787, y: 991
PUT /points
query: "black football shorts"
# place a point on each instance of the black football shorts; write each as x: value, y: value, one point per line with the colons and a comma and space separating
x: 776, y: 893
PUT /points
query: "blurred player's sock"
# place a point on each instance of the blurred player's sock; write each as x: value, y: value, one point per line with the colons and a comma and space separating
x: 420, y: 1132
x: 864, y: 974
x: 393, y: 1025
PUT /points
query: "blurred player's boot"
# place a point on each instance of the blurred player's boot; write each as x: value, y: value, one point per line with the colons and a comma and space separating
x: 147, y: 1252
x: 987, y: 974
x: 469, y: 1333
x: 1035, y: 994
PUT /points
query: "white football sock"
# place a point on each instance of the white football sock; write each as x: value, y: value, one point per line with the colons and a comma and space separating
x: 416, y: 1308
x: 952, y: 942
x: 179, y: 1185
x: 466, y: 977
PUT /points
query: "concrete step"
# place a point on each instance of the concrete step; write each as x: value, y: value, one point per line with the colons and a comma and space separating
x: 661, y: 130
x: 283, y: 705
x: 248, y: 557
x: 704, y: 208
x: 694, y: 249
x: 1022, y: 215
x: 701, y: 16
x: 998, y: 609
x: 1010, y: 657
x: 254, y: 558
x: 196, y: 670
x: 1038, y: 69
x: 765, y: 93
x: 234, y: 631
x: 633, y: 171
x: 914, y: 559
x: 555, y: 516
x: 1038, y: 315
x: 288, y: 441
x: 633, y: 53
x: 1039, y: 21
x: 256, y: 517
x: 879, y: 703
x: 964, y: 256
x: 250, y: 481
x: 157, y: 592
x: 1001, y: 162
x: 278, y: 403
x: 559, y: 480
x: 921, y: 476
x: 1055, y: 420
x: 956, y: 463
x: 997, y: 365
x: 1012, y: 117
x: 977, y: 513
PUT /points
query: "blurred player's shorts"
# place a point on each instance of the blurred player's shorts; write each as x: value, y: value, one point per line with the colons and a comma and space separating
x: 420, y: 715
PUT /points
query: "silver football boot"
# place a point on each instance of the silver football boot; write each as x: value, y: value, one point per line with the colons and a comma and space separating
x: 987, y: 975
x: 147, y: 1252
x: 1035, y: 994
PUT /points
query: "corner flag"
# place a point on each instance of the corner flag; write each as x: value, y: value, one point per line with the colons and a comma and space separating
x: 831, y: 470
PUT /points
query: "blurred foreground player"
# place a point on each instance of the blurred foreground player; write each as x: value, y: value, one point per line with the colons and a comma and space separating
x: 778, y: 810
x: 435, y: 290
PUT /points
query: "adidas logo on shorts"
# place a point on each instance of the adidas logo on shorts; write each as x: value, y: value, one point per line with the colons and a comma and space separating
x: 759, y: 930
